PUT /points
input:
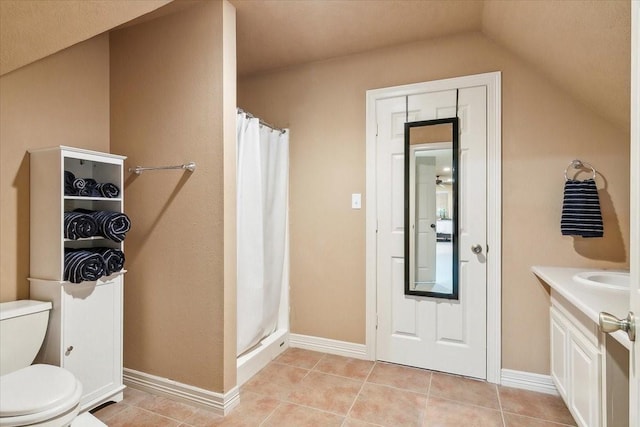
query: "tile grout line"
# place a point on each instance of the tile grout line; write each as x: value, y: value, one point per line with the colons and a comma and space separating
x: 112, y: 415
x: 559, y: 424
x: 346, y: 417
x: 271, y: 413
x: 341, y: 376
x: 156, y: 413
x: 312, y: 408
x: 314, y: 369
x: 287, y: 401
x: 324, y: 356
x: 318, y: 371
x: 156, y: 397
x: 463, y: 403
x: 504, y: 422
x: 426, y: 404
x: 398, y: 388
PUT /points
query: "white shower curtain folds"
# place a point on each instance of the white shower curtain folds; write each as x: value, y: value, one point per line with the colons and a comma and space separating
x: 262, y: 182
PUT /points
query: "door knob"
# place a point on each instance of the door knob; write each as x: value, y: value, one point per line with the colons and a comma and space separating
x: 610, y: 323
x: 476, y: 249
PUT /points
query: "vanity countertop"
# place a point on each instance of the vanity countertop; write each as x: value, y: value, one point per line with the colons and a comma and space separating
x: 590, y: 300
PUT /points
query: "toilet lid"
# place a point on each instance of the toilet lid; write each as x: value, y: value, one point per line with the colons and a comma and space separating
x: 34, y: 389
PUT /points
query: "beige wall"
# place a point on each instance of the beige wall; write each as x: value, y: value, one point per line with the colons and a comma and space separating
x: 60, y: 100
x: 168, y: 91
x: 543, y: 129
x: 33, y: 29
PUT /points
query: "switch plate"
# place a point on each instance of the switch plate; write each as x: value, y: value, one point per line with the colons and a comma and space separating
x: 356, y: 201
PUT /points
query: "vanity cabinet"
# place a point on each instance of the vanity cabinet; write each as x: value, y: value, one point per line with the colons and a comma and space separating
x: 559, y: 345
x: 576, y: 365
x: 84, y: 334
x: 590, y: 369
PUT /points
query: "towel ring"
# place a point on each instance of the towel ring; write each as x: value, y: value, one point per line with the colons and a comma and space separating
x: 579, y: 164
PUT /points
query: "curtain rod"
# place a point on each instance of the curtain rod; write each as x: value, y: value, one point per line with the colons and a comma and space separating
x: 262, y: 122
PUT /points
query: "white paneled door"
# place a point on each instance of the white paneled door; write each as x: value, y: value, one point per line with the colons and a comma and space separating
x: 448, y: 335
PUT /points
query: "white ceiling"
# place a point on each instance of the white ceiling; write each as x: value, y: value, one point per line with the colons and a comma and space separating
x: 583, y: 46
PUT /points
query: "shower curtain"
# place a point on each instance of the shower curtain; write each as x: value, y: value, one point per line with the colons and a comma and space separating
x: 262, y: 193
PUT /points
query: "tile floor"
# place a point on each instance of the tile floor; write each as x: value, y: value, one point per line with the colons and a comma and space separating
x: 306, y: 388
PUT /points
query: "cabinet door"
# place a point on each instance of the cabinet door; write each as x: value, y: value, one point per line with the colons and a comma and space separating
x: 559, y: 341
x: 92, y: 337
x: 584, y: 381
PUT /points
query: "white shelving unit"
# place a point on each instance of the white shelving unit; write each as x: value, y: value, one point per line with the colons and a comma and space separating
x: 85, y: 324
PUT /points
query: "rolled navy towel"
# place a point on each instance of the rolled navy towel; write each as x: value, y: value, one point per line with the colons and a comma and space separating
x: 69, y: 189
x: 113, y: 259
x: 107, y: 189
x: 112, y: 225
x: 78, y: 225
x: 82, y: 265
x: 84, y: 186
x: 581, y: 215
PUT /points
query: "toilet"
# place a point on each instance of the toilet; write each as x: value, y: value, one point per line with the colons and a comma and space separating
x: 32, y: 395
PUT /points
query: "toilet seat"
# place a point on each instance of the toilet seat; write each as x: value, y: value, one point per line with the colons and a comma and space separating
x: 36, y: 394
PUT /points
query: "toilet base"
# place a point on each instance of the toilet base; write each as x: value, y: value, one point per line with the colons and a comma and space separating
x: 87, y: 420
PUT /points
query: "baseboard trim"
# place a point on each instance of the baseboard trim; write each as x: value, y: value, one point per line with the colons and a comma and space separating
x: 508, y: 378
x: 528, y: 381
x: 219, y: 403
x: 326, y: 345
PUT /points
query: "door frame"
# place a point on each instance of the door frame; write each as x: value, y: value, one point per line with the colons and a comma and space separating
x: 634, y: 233
x: 494, y: 205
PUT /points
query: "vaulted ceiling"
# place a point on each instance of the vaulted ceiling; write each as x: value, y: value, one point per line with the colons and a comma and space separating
x: 583, y: 46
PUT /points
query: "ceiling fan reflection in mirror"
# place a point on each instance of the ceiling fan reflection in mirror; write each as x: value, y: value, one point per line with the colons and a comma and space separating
x: 440, y: 181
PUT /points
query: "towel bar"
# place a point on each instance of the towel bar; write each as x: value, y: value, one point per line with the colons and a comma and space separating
x: 191, y: 166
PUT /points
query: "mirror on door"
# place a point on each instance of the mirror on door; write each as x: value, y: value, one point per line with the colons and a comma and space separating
x: 431, y: 208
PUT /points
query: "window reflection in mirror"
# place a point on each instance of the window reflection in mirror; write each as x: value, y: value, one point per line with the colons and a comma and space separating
x: 431, y: 189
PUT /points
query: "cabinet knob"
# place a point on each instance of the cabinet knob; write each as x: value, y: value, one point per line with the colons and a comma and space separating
x: 610, y: 323
x: 69, y: 349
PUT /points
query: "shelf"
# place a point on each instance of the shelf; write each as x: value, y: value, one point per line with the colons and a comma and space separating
x: 108, y: 199
x: 66, y: 282
x: 84, y: 239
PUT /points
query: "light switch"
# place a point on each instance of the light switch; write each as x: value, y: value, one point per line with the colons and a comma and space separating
x: 356, y: 201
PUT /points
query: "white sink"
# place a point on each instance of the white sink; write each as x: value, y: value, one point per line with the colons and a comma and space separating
x: 616, y: 280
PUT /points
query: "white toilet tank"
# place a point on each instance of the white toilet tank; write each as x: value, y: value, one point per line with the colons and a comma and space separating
x: 23, y: 325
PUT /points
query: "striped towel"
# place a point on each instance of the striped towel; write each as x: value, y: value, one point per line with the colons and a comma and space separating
x: 113, y: 259
x: 69, y: 190
x: 112, y: 225
x: 581, y: 215
x: 78, y: 225
x: 88, y: 187
x: 107, y: 189
x: 83, y: 265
